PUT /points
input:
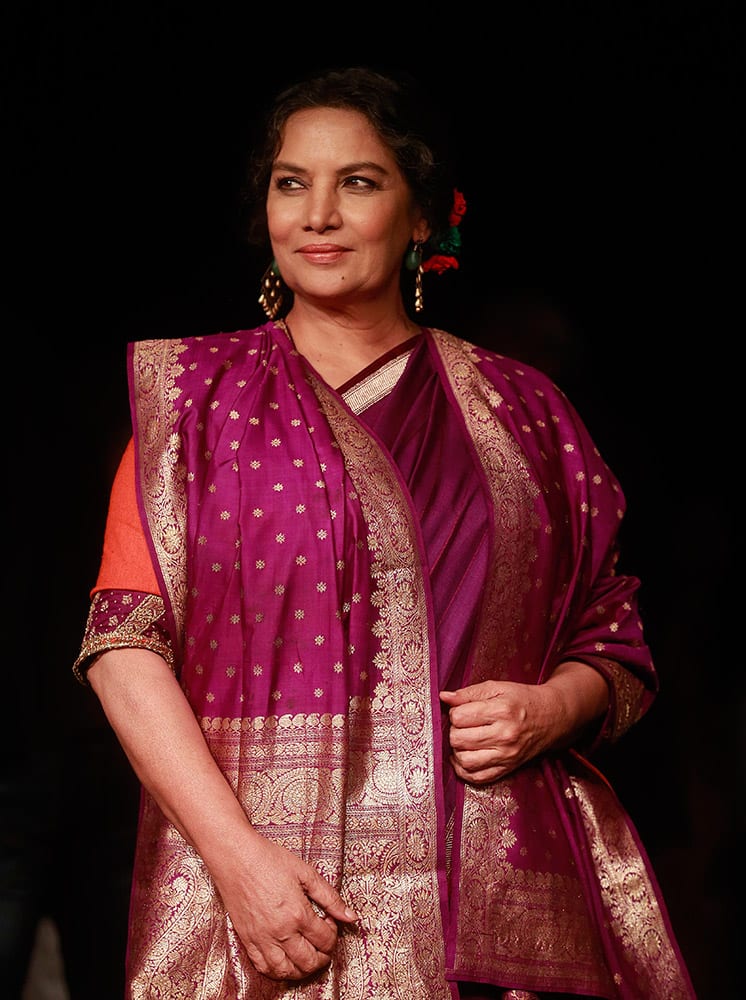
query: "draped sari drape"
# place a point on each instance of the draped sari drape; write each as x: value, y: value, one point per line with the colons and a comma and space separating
x: 328, y: 561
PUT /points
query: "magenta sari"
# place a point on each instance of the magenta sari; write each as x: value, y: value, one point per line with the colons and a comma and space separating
x: 328, y: 562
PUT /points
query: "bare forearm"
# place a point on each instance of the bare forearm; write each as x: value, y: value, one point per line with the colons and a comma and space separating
x: 498, y: 726
x: 162, y: 739
x: 582, y: 695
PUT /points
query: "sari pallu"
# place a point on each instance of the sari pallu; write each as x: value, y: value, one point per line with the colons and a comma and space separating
x: 309, y: 634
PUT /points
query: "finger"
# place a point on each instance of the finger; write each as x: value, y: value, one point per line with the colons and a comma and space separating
x: 320, y: 930
x: 305, y: 957
x: 328, y: 900
x: 472, y: 738
x: 474, y: 760
x: 482, y: 691
x: 472, y: 763
x: 482, y: 777
x: 475, y: 774
x: 454, y: 699
x: 473, y: 714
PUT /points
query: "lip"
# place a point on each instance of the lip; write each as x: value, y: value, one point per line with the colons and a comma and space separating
x: 322, y: 253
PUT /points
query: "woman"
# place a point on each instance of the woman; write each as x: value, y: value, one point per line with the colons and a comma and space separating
x: 357, y: 615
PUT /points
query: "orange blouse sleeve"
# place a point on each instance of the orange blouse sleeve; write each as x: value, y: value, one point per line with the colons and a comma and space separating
x: 126, y: 562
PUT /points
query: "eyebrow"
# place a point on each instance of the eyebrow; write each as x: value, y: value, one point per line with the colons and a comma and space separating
x: 348, y: 168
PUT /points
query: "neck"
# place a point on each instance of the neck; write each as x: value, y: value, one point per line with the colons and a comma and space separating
x: 340, y: 344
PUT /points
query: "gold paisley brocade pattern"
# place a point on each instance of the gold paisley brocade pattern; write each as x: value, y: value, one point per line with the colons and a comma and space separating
x: 628, y: 895
x: 210, y: 966
x: 160, y: 467
x: 398, y: 766
x: 284, y: 783
x: 138, y: 628
x: 510, y: 914
x: 504, y: 909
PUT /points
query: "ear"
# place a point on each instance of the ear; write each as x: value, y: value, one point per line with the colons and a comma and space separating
x: 421, y: 231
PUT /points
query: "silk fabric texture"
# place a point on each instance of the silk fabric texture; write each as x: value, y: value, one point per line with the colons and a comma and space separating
x: 324, y: 572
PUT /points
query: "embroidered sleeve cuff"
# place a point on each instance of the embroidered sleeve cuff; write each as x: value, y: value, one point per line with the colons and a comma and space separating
x: 123, y: 619
x: 628, y: 699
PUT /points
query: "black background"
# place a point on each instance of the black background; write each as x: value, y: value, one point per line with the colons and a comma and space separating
x: 597, y: 153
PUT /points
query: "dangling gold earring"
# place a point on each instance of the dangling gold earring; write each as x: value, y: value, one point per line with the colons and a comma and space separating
x: 418, y: 303
x: 270, y: 294
x: 413, y: 262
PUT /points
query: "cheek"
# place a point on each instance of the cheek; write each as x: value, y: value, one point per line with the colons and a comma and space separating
x: 386, y: 236
x: 279, y: 222
x: 277, y: 232
x: 383, y: 227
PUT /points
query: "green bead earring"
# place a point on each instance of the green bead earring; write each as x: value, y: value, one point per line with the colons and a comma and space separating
x: 413, y: 257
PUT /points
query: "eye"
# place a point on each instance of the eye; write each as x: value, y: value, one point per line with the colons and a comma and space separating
x: 288, y: 183
x: 357, y: 182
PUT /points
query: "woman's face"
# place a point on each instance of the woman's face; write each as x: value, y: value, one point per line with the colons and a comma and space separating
x: 339, y: 210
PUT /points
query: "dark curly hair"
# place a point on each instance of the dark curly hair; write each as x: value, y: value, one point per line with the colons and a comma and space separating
x: 399, y: 109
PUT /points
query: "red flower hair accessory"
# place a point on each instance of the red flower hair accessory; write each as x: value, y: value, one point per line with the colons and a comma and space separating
x: 447, y: 245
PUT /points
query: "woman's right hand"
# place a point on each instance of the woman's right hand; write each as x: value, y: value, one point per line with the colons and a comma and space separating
x: 268, y: 891
x: 284, y: 912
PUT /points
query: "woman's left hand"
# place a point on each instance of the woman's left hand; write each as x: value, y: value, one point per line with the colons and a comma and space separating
x: 497, y: 726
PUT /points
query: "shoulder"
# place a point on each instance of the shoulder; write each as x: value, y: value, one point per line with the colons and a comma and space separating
x: 206, y: 343
x: 178, y: 354
x: 502, y: 371
x: 523, y: 398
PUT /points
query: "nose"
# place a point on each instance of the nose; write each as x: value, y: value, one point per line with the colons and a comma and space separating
x: 322, y: 207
